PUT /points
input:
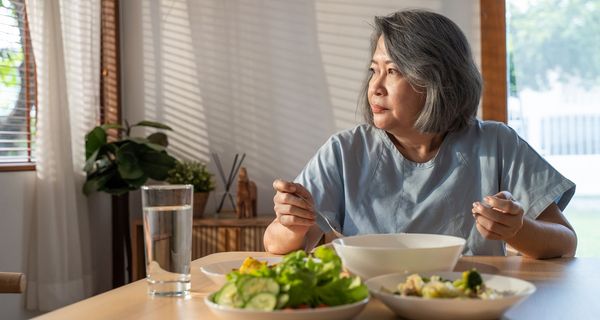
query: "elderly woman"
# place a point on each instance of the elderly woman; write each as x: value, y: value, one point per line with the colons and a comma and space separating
x: 423, y: 162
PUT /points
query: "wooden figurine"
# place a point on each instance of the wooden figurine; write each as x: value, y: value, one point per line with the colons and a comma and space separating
x: 246, y: 196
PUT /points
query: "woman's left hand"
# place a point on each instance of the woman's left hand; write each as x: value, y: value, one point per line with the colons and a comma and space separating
x: 498, y: 217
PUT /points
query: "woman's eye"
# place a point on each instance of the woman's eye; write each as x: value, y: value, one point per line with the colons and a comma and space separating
x: 371, y: 70
x: 392, y: 71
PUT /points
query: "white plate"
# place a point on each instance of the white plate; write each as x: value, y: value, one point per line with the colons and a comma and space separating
x: 419, y: 308
x: 217, y: 271
x: 347, y: 311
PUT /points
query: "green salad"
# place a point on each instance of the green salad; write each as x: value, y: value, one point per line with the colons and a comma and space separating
x: 298, y: 281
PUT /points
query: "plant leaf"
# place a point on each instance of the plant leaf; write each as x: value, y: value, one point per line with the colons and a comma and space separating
x: 94, y: 140
x: 159, y: 138
x: 135, y: 184
x: 155, y: 147
x: 152, y: 124
x: 127, y: 162
x: 96, y: 183
x: 146, y: 142
x: 116, y: 185
x: 89, y: 163
x: 157, y: 164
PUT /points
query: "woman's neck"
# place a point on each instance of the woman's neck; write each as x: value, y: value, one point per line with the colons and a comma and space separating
x: 416, y: 146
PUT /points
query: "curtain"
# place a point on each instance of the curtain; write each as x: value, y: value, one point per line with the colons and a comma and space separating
x: 66, y: 43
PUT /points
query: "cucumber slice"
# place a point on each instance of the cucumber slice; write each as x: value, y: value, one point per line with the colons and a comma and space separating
x: 282, y: 300
x: 252, y: 286
x: 229, y: 296
x: 264, y: 301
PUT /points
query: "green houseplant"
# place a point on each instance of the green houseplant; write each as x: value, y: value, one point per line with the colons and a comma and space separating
x: 119, y: 165
x: 196, y: 174
x: 123, y: 165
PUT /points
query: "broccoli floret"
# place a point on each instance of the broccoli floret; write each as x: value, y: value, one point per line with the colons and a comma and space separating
x: 472, y: 279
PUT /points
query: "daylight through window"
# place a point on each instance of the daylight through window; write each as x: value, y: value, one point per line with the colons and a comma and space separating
x: 17, y: 86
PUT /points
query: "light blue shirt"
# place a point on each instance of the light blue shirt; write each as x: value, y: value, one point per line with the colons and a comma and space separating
x: 362, y: 183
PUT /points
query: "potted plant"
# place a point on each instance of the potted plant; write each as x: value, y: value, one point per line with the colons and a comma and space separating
x: 196, y: 174
x: 119, y: 165
x: 125, y: 164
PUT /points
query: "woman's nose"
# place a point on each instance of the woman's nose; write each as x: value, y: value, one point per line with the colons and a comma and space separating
x: 377, y: 87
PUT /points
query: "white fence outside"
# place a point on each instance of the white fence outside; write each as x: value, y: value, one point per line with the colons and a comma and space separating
x: 563, y: 125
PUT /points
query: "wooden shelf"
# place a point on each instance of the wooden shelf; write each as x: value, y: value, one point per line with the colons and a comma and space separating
x: 212, y: 234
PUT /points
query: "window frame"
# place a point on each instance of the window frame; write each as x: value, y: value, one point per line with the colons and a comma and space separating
x: 110, y: 66
x: 493, y: 60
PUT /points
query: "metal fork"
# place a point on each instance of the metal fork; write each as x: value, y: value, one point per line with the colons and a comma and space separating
x: 335, y: 232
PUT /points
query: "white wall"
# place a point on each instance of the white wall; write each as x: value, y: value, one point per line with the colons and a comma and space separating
x: 273, y: 79
x: 17, y: 194
x: 16, y: 199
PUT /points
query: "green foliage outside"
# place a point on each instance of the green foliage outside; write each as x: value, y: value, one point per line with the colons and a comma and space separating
x: 124, y: 165
x: 194, y: 173
x: 553, y: 35
x: 10, y: 61
x: 11, y: 56
x: 584, y: 215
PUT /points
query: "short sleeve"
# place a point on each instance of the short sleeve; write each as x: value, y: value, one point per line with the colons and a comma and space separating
x: 322, y: 177
x: 529, y: 177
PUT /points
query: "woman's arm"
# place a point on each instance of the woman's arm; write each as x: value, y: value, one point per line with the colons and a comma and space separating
x: 295, y: 217
x: 502, y: 218
x: 549, y: 236
x: 280, y: 239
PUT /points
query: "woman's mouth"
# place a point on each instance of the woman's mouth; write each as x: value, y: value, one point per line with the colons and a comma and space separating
x: 377, y: 108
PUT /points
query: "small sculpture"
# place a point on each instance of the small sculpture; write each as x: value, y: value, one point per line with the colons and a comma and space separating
x: 246, y: 196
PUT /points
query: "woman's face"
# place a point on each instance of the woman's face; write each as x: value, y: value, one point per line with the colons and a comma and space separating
x: 394, y: 102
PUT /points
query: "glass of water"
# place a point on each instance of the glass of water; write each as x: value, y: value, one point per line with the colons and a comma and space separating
x: 168, y: 238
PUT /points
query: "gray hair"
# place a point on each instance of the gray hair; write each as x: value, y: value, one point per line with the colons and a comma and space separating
x: 434, y: 55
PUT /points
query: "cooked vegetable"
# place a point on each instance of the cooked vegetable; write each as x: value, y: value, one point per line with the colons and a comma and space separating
x: 470, y: 285
x: 251, y: 264
x: 298, y: 281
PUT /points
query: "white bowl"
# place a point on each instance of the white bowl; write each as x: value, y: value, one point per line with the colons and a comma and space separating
x: 377, y: 254
x: 420, y: 308
x: 217, y: 271
x: 346, y: 311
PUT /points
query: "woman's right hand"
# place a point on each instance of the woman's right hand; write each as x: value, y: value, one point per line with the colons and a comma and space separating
x: 294, y: 206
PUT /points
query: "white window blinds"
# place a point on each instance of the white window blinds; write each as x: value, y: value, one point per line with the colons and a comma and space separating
x: 17, y: 86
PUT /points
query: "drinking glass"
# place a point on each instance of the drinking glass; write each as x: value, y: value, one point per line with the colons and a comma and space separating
x: 168, y: 238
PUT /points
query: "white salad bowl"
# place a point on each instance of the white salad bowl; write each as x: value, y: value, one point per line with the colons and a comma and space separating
x: 377, y: 254
x: 346, y: 311
x: 410, y: 307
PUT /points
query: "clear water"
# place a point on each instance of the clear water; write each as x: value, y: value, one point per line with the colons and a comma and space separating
x: 168, y: 241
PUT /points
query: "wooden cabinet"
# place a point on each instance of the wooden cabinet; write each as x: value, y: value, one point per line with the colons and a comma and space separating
x: 209, y: 235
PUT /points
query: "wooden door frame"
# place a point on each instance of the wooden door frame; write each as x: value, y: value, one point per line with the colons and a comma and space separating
x: 493, y: 59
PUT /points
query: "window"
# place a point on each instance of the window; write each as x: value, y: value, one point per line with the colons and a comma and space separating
x: 553, y: 92
x: 17, y: 89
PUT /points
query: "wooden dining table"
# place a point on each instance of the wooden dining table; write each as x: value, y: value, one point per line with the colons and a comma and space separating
x: 567, y: 288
